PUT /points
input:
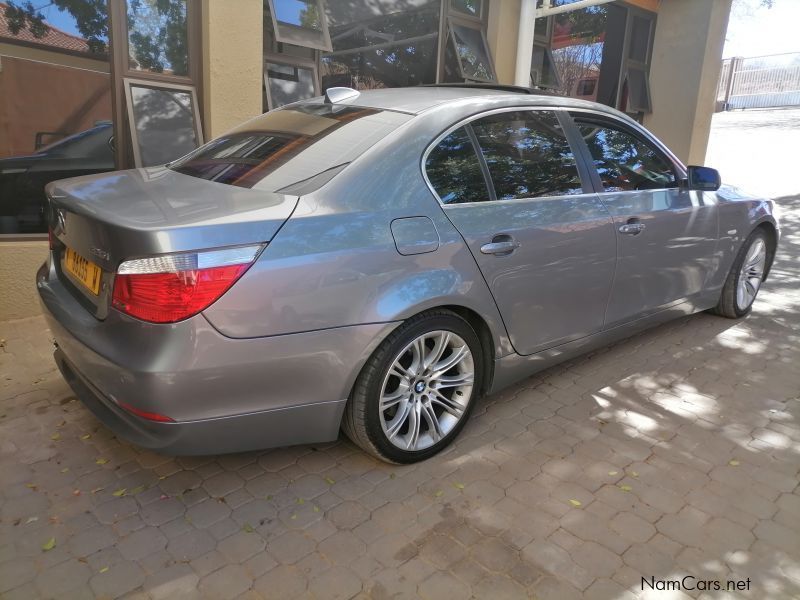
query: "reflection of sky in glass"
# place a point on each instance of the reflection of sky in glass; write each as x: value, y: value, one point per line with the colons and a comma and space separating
x: 63, y: 20
x: 291, y: 11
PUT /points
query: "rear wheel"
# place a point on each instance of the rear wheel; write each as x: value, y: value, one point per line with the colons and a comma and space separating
x: 745, y: 277
x: 416, y: 391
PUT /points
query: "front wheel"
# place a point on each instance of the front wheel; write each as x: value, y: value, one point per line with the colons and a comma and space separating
x: 416, y: 391
x: 745, y: 277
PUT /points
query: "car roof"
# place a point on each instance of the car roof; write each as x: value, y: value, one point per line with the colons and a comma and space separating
x: 416, y: 100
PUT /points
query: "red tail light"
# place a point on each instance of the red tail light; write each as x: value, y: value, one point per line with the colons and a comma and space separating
x: 173, y: 287
x: 150, y: 416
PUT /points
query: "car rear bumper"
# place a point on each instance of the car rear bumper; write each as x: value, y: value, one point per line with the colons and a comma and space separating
x: 224, y: 394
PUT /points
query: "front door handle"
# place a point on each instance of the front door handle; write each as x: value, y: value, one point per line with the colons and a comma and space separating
x: 632, y: 228
x: 501, y: 245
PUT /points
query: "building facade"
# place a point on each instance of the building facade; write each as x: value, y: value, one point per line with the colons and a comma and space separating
x: 89, y: 86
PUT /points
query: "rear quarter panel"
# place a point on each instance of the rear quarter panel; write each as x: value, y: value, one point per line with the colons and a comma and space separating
x: 334, y: 263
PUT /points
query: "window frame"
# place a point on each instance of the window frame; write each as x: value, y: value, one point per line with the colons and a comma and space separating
x: 630, y: 64
x: 548, y: 54
x: 118, y: 27
x: 632, y: 128
x: 453, y: 11
x: 130, y: 82
x: 570, y: 131
x: 323, y: 44
x: 450, y: 38
x: 289, y: 61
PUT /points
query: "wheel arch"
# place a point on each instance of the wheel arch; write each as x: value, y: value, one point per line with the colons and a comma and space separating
x: 772, y: 243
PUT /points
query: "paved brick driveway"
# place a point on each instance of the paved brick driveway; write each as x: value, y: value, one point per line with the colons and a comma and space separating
x: 675, y: 452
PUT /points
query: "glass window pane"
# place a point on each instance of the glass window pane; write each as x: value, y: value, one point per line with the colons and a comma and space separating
x: 158, y: 36
x: 543, y: 73
x: 288, y: 83
x: 454, y: 171
x: 396, y: 49
x: 472, y: 53
x: 467, y: 7
x: 638, y: 90
x: 300, y: 13
x: 283, y: 147
x: 578, y: 43
x: 165, y: 124
x: 55, y: 119
x: 300, y: 22
x: 640, y: 39
x: 528, y: 155
x: 624, y: 161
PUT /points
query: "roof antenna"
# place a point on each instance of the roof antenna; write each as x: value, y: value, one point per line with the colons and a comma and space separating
x: 340, y: 94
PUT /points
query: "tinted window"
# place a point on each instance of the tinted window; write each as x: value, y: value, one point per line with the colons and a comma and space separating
x: 454, y: 171
x: 625, y: 162
x: 289, y: 145
x: 528, y: 155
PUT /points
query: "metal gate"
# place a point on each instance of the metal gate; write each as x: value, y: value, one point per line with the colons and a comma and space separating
x: 759, y: 82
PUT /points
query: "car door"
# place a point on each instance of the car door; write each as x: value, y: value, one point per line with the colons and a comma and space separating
x: 510, y: 183
x: 667, y: 235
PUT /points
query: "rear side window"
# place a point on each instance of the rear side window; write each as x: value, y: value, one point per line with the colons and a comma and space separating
x: 528, y: 155
x: 624, y: 161
x: 284, y: 147
x: 454, y: 171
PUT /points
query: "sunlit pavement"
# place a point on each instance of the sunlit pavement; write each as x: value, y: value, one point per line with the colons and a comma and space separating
x: 673, y: 453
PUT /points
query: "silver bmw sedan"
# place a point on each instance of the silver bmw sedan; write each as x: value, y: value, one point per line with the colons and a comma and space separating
x: 376, y: 262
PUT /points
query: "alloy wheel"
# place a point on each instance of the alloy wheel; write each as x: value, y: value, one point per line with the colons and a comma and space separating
x: 426, y: 390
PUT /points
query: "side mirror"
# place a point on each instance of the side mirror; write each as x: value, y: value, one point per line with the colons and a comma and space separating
x: 704, y: 179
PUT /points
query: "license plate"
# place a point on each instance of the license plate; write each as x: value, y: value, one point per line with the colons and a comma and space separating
x: 83, y: 270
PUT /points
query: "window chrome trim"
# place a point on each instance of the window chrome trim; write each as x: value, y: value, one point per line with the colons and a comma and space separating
x: 467, y: 121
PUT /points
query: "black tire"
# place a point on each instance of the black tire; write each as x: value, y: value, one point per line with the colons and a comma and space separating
x: 362, y: 421
x: 728, y: 306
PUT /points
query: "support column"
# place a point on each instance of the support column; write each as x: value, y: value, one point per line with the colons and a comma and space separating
x: 684, y: 73
x: 501, y: 33
x: 232, y: 63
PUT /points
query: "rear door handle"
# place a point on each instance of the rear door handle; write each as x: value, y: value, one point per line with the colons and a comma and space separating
x: 500, y: 245
x: 632, y: 228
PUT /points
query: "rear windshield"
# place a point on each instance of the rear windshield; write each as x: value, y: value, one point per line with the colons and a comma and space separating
x: 284, y: 147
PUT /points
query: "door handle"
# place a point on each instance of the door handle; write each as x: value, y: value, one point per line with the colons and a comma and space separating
x: 500, y: 245
x: 632, y: 228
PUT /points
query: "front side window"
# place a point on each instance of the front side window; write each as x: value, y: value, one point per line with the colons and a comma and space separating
x: 624, y: 161
x: 454, y: 170
x: 528, y: 155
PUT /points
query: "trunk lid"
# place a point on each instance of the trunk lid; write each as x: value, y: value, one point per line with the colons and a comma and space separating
x: 113, y: 217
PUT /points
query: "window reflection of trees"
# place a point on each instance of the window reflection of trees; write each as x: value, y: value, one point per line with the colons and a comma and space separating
x: 392, y: 50
x: 157, y: 36
x: 624, y: 162
x: 454, y: 171
x: 90, y: 16
x: 528, y: 155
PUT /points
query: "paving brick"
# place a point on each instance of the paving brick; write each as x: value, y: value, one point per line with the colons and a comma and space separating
x: 226, y: 583
x: 121, y: 578
x: 141, y: 543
